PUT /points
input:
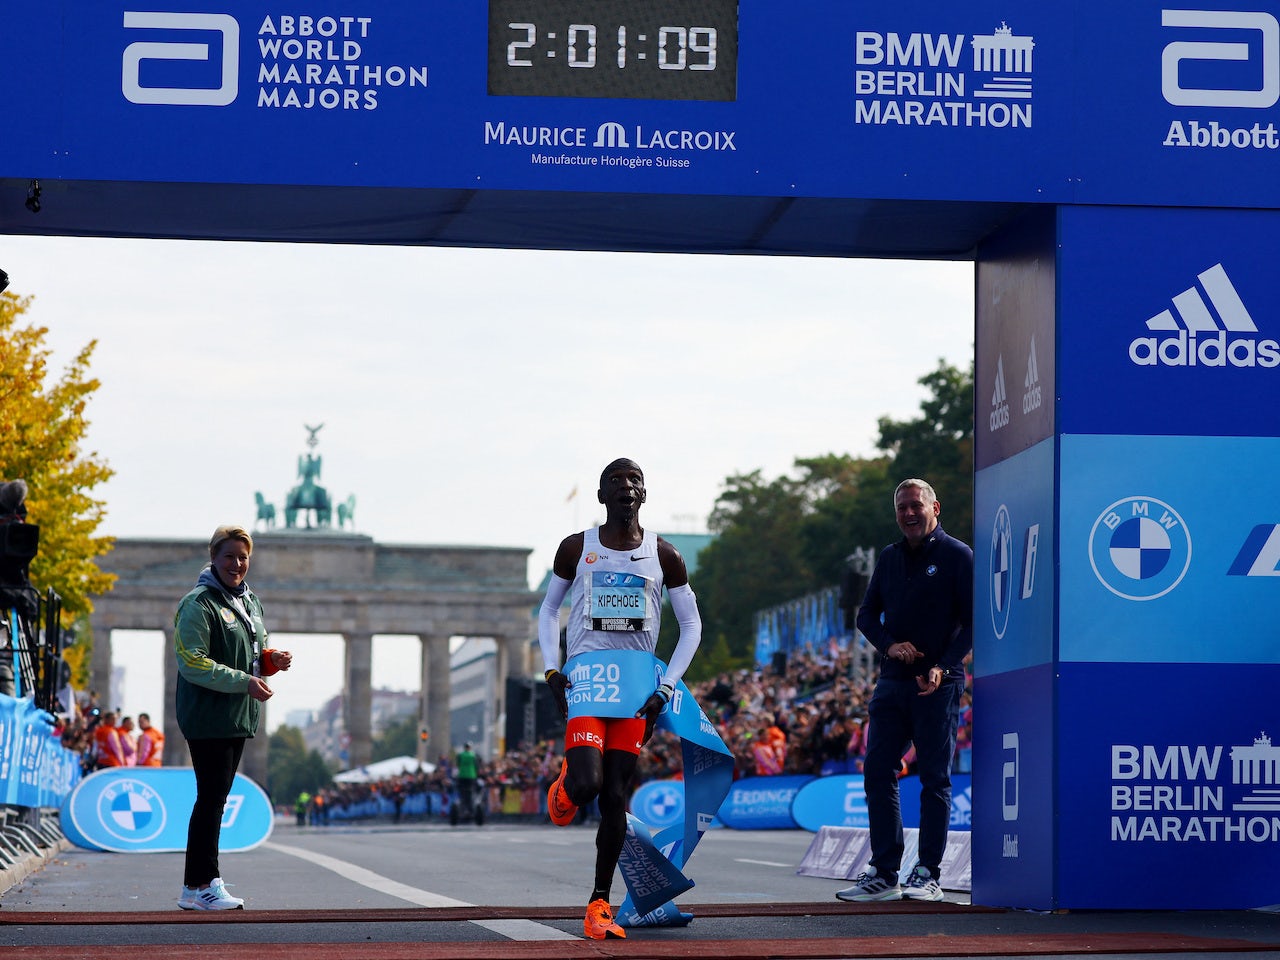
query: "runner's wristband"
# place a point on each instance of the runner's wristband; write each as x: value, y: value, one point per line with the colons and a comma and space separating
x: 665, y: 692
x: 549, y: 674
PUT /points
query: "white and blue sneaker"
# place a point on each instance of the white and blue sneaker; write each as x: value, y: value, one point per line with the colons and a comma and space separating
x: 922, y: 885
x: 213, y: 897
x: 869, y: 887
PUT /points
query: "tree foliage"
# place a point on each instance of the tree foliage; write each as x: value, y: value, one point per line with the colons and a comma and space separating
x: 42, y: 426
x: 777, y: 540
x: 292, y: 768
x: 399, y: 739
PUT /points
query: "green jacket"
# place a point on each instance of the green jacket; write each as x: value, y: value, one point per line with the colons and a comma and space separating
x: 216, y: 649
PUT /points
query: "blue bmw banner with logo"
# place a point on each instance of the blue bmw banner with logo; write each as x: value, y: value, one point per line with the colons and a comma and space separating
x: 146, y: 809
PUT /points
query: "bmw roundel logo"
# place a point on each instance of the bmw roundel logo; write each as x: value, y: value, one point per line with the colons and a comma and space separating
x: 1140, y: 548
x: 1001, y: 573
x: 662, y: 805
x: 129, y: 810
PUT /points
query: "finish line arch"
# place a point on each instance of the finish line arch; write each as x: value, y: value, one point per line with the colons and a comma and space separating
x: 1111, y: 171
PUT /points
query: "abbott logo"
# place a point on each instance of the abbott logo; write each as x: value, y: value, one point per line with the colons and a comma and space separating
x: 136, y: 53
x: 1260, y: 97
x: 1009, y: 778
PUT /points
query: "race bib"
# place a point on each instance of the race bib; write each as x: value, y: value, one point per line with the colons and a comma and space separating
x: 616, y: 601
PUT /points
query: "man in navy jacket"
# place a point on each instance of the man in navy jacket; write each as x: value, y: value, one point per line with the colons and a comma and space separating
x: 918, y: 613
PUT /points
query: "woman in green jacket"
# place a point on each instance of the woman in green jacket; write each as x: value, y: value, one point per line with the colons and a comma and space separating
x: 220, y: 642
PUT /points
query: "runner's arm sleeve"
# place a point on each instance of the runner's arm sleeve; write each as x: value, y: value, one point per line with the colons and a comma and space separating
x: 549, y: 622
x: 685, y: 606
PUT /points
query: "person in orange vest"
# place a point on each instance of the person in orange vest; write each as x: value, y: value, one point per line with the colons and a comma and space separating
x: 150, y: 742
x: 106, y: 742
x: 128, y: 741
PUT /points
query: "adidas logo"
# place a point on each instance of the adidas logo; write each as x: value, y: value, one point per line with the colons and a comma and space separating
x: 1031, y: 398
x: 1199, y: 340
x: 999, y: 399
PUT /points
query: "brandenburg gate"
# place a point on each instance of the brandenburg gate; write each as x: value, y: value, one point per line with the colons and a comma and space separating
x: 324, y: 581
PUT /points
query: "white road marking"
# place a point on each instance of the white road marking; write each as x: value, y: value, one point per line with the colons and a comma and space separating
x: 524, y: 930
x: 764, y: 863
x: 512, y: 929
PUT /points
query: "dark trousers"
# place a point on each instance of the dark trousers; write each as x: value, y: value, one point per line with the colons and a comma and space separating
x: 215, y: 762
x: 897, y: 717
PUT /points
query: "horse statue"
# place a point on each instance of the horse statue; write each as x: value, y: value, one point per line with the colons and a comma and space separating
x: 347, y: 512
x: 266, y: 511
x: 308, y: 496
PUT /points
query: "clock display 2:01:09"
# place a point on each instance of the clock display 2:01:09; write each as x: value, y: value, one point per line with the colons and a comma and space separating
x: 671, y: 50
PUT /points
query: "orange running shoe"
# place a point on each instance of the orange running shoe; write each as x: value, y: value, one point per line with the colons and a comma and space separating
x: 599, y: 923
x: 561, y: 809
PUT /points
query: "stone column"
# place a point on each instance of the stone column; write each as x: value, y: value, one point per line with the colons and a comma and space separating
x: 357, y: 705
x: 502, y: 667
x: 435, y: 694
x: 100, y: 661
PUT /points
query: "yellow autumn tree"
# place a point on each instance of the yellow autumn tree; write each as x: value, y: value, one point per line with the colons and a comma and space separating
x: 42, y: 426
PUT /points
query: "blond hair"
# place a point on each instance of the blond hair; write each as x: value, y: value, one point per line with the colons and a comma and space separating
x: 229, y: 532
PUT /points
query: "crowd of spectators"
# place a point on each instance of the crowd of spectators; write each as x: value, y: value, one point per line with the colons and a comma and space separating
x: 808, y: 718
x: 108, y: 738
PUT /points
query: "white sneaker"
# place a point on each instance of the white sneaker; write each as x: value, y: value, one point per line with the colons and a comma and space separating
x: 223, y: 889
x: 922, y: 885
x: 868, y: 887
x: 213, y: 897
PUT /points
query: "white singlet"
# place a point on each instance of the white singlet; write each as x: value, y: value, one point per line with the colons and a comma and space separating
x: 616, y: 599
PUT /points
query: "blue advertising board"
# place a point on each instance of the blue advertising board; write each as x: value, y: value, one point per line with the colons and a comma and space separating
x: 1015, y: 793
x: 1015, y: 367
x: 1014, y: 551
x: 1161, y: 560
x: 146, y: 809
x: 36, y: 770
x: 1176, y: 779
x: 762, y: 803
x: 983, y: 101
x: 1169, y: 319
x: 841, y: 801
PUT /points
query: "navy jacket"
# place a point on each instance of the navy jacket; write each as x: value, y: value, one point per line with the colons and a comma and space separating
x: 926, y: 598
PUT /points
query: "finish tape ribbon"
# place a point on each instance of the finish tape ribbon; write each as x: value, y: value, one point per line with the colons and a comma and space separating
x: 616, y: 683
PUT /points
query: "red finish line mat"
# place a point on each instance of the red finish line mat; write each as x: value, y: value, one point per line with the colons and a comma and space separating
x: 791, y: 949
x: 441, y: 914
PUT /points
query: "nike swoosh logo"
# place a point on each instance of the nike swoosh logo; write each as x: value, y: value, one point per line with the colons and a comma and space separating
x: 634, y: 557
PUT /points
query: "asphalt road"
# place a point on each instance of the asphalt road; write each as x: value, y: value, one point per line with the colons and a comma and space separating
x: 518, y: 891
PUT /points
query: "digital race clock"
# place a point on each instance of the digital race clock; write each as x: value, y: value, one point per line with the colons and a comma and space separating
x: 638, y: 49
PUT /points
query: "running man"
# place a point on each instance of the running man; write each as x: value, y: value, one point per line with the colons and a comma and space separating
x: 601, y: 753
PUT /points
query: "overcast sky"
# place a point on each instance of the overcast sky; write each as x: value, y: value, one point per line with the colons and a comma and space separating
x: 466, y: 394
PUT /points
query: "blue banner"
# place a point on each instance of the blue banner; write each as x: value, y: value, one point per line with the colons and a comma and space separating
x: 978, y: 101
x: 1167, y: 318
x: 146, y: 810
x: 1147, y: 536
x: 762, y: 803
x: 1014, y: 759
x: 1013, y: 550
x: 1179, y: 777
x: 841, y: 801
x: 36, y: 770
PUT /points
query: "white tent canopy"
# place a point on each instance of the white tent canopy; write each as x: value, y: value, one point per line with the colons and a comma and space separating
x: 383, y: 769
